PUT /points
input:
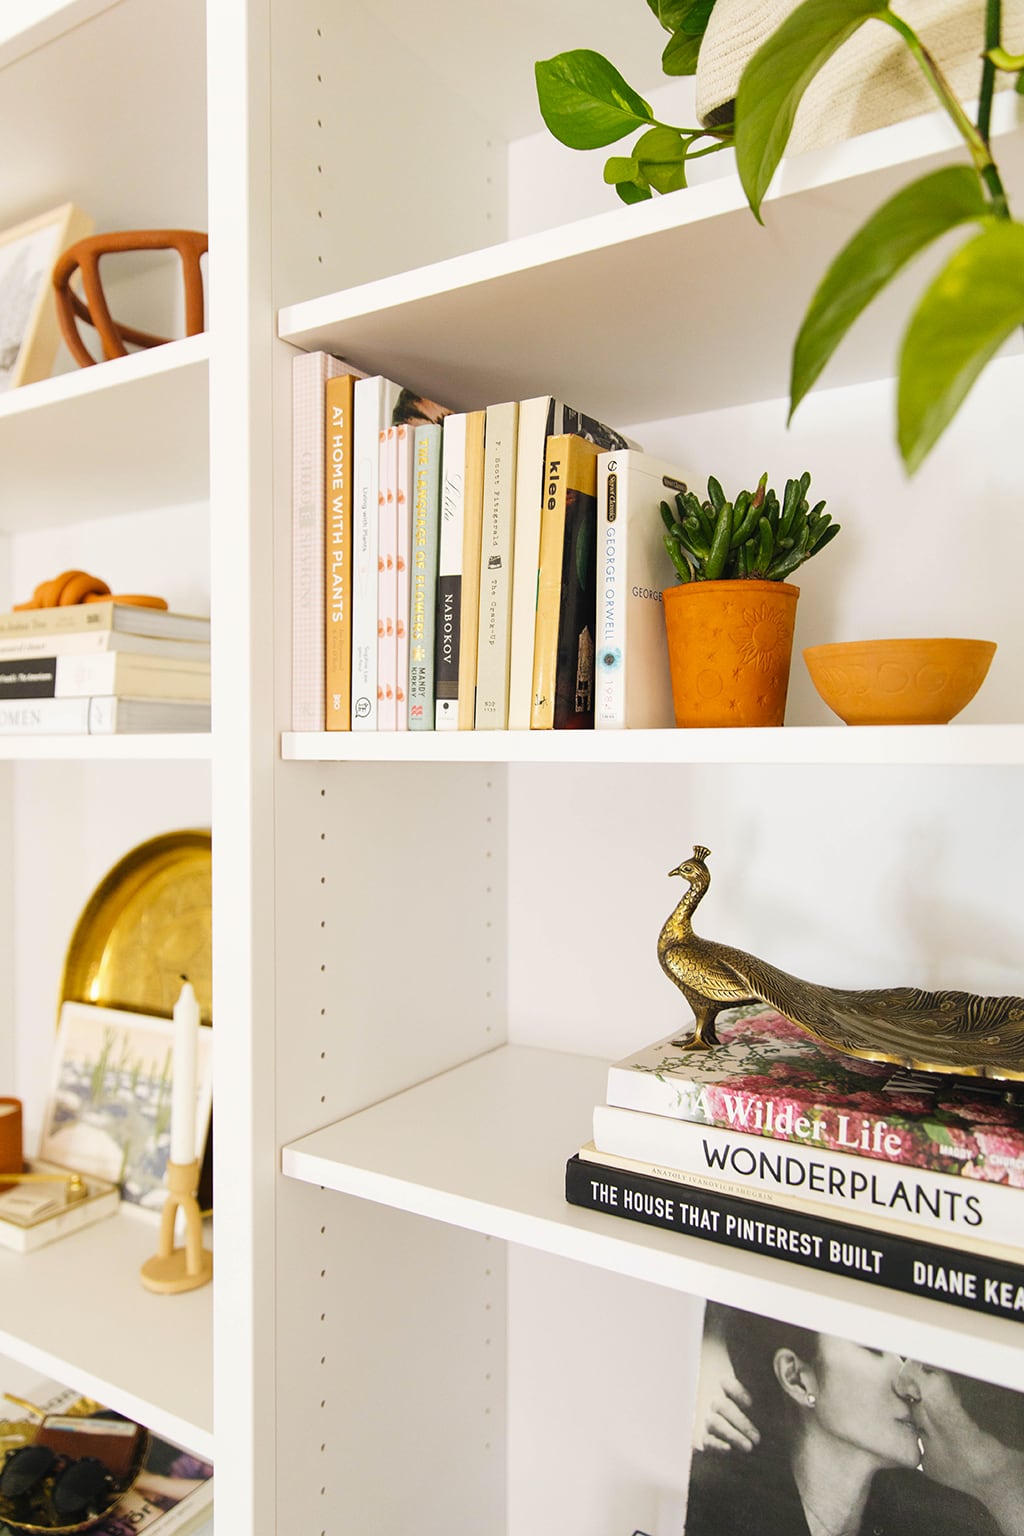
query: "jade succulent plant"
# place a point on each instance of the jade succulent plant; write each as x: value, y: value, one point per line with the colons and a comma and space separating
x: 753, y: 535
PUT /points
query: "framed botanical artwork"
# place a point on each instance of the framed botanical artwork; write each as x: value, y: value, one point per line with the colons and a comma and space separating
x: 109, y: 1109
x: 29, y: 331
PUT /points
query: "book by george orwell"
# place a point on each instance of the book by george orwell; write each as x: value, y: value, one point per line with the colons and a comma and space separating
x: 769, y: 1078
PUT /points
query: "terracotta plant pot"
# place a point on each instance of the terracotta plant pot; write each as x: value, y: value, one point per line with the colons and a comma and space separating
x: 729, y: 646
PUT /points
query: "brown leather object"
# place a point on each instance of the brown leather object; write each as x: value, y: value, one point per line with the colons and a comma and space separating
x: 84, y: 256
x: 79, y: 587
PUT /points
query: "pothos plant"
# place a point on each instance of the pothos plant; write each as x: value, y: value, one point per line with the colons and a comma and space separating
x: 970, y: 307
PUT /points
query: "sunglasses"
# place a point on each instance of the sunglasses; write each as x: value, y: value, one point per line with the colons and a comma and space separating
x: 48, y: 1489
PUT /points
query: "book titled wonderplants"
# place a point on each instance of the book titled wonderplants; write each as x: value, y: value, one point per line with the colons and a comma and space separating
x: 768, y: 1078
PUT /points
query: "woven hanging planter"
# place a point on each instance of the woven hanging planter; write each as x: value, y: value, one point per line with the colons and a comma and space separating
x: 872, y: 80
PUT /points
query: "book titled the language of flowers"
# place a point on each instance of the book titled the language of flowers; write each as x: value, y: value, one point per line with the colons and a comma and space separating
x: 769, y: 1078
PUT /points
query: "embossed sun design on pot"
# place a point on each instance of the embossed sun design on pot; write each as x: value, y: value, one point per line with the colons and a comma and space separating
x: 760, y: 636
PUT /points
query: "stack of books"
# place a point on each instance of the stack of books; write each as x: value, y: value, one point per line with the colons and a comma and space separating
x: 492, y: 569
x: 773, y: 1143
x: 103, y: 668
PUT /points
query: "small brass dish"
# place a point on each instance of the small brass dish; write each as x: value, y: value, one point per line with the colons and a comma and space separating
x: 899, y: 682
x: 15, y: 1433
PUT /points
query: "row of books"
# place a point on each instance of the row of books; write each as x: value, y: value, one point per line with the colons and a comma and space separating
x: 777, y: 1144
x: 103, y: 668
x: 499, y: 568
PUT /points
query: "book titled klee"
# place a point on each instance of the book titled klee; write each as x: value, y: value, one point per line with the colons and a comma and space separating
x: 769, y: 1078
x: 563, y: 647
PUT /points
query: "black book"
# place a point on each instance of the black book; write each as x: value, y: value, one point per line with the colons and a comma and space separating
x: 914, y: 1266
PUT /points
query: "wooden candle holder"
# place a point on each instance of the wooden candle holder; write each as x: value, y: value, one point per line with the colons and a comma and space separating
x: 179, y: 1269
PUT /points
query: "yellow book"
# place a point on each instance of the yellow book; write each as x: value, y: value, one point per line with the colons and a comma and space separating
x: 338, y: 401
x: 563, y: 644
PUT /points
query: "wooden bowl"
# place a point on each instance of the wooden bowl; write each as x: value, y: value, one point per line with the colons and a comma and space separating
x: 899, y: 682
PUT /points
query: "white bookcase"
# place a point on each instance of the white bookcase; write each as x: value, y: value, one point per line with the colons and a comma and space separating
x: 426, y: 949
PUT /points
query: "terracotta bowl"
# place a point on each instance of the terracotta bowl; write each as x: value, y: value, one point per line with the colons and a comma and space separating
x: 899, y: 682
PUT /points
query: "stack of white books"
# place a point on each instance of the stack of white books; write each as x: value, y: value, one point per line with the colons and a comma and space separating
x: 103, y: 668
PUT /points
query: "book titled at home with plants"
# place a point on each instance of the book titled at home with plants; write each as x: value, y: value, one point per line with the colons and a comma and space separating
x: 768, y: 1078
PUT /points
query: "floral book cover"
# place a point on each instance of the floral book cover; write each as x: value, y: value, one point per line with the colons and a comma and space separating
x: 796, y: 1430
x: 769, y: 1078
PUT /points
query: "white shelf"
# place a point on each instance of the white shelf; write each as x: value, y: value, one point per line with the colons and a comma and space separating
x: 457, y: 331
x: 975, y: 745
x: 76, y: 1310
x: 192, y: 746
x: 484, y: 1147
x: 122, y: 436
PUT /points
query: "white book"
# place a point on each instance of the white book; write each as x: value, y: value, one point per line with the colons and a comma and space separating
x: 496, y: 556
x: 114, y: 672
x: 92, y: 642
x: 375, y: 400
x: 310, y: 372
x: 539, y: 418
x: 449, y: 573
x: 634, y: 685
x: 405, y: 448
x: 387, y: 581
x: 923, y: 1197
x: 101, y: 716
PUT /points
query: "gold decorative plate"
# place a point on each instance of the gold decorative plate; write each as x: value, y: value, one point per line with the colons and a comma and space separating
x: 147, y: 924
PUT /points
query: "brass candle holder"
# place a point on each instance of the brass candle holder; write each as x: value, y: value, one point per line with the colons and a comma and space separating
x: 174, y: 1269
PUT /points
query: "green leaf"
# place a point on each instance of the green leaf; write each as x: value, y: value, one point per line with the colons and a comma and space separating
x: 683, y: 48
x: 969, y: 310
x: 901, y: 228
x: 629, y: 192
x: 774, y: 81
x: 585, y: 102
x: 674, y: 14
x: 660, y: 159
x: 618, y: 168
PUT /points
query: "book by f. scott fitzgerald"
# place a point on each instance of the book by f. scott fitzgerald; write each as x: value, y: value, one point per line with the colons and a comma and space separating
x: 769, y: 1078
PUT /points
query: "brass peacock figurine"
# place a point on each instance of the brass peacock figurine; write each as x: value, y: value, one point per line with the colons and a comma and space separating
x: 954, y: 1032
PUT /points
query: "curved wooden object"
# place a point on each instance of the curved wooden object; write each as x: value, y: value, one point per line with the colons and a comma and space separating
x: 84, y: 256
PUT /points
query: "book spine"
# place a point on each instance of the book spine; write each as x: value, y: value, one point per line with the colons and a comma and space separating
x: 537, y: 422
x: 404, y: 444
x: 563, y: 677
x: 921, y: 1196
x: 339, y: 395
x: 549, y: 586
x: 374, y: 402
x: 612, y: 537
x: 387, y: 582
x: 449, y: 573
x: 310, y: 372
x: 850, y: 1216
x: 814, y: 1118
x: 423, y: 575
x: 472, y: 531
x: 125, y: 675
x: 34, y: 679
x: 54, y: 717
x: 496, y: 565
x: 913, y: 1266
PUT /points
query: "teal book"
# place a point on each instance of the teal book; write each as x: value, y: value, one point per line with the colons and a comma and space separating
x: 426, y: 499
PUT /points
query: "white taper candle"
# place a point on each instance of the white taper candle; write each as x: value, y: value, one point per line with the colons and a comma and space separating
x: 183, y: 1079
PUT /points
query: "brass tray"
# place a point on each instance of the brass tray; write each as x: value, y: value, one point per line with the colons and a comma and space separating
x: 18, y: 1432
x: 147, y: 924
